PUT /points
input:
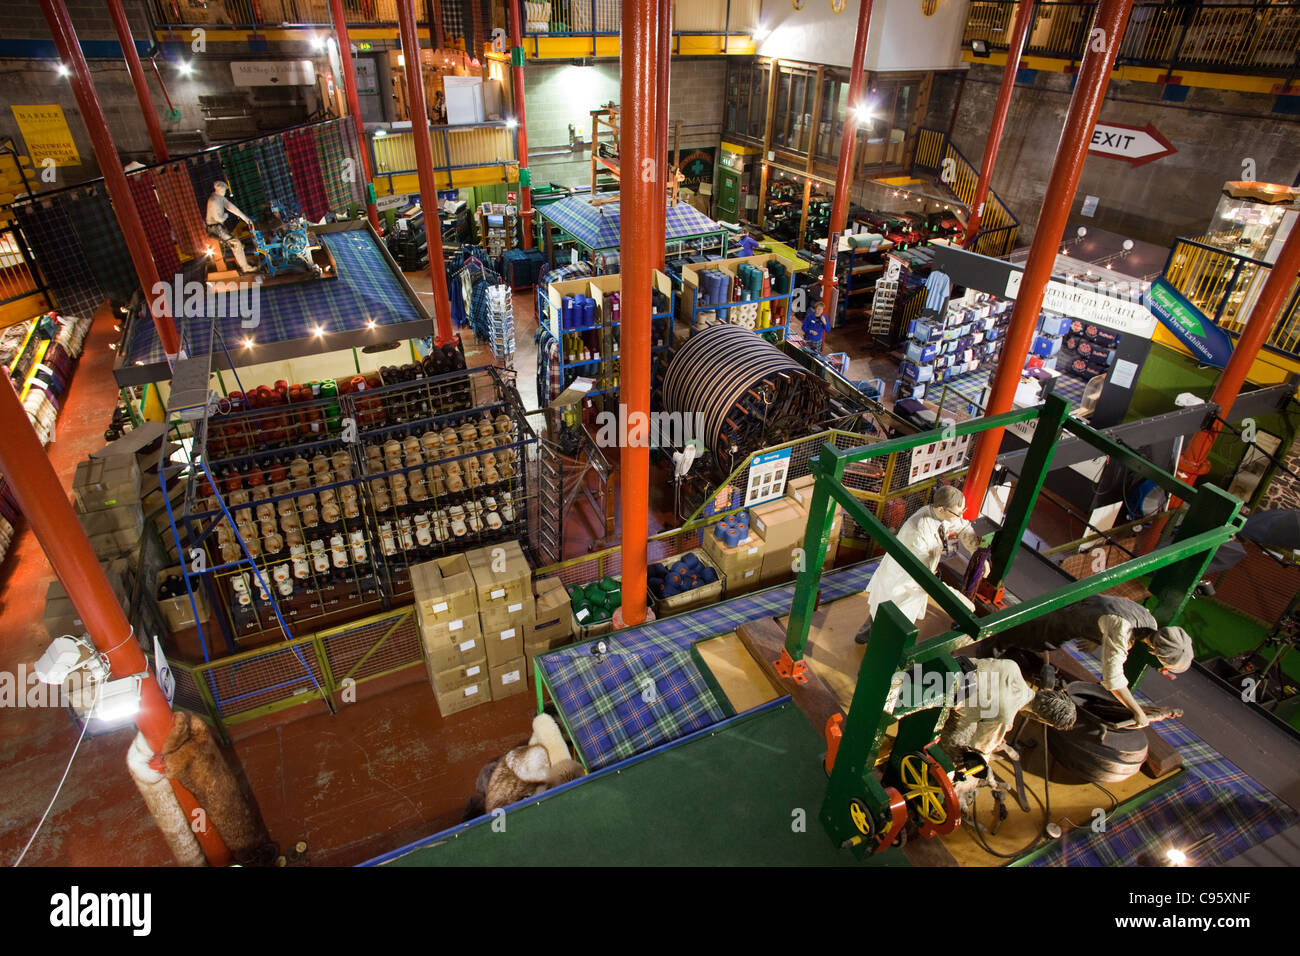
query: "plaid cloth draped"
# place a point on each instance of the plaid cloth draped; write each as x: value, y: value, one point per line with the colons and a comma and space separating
x: 366, y: 289
x: 60, y: 257
x: 176, y: 196
x: 329, y: 150
x: 453, y: 18
x: 274, y: 166
x: 304, y: 167
x: 156, y: 227
x: 602, y: 700
x: 205, y: 169
x: 102, y: 241
x: 245, y: 179
x: 597, y: 227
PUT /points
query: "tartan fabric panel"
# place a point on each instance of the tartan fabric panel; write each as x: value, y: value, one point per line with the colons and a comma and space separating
x: 57, y: 248
x: 245, y: 179
x: 366, y: 289
x: 156, y: 227
x: 329, y: 149
x: 597, y: 227
x: 601, y: 700
x: 176, y: 196
x: 101, y: 240
x: 453, y: 18
x: 205, y: 169
x: 356, y: 186
x: 304, y: 167
x: 275, y: 174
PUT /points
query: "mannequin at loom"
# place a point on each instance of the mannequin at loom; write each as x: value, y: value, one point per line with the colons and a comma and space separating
x: 927, y: 534
x: 219, y: 209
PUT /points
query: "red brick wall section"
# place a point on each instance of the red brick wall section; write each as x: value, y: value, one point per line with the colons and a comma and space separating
x: 1259, y: 586
x: 1283, y: 490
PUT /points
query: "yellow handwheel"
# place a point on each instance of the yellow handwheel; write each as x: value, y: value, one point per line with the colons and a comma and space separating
x: 927, y: 788
x: 860, y: 817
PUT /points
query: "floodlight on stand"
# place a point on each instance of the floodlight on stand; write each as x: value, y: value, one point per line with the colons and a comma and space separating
x: 109, y: 702
x: 979, y: 47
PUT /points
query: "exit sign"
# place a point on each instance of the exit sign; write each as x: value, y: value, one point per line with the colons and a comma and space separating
x: 365, y: 46
x: 1135, y: 145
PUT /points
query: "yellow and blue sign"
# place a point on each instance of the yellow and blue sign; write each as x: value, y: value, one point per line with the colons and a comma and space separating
x: 1192, y: 327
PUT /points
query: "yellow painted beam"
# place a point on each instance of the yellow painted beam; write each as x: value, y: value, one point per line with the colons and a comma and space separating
x: 20, y: 310
x: 577, y: 47
x: 459, y: 179
x: 1239, y: 83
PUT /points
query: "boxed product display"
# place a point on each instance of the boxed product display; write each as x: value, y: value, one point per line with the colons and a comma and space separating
x: 801, y: 489
x: 454, y: 678
x: 174, y: 601
x: 739, y: 563
x: 509, y: 678
x: 778, y: 523
x: 448, y: 645
x: 683, y: 582
x: 501, y: 575
x: 505, y: 643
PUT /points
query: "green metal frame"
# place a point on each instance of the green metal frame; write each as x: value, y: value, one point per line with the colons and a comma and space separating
x: 1213, y: 516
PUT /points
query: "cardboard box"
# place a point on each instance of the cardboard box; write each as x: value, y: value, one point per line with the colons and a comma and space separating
x: 115, y: 543
x: 446, y: 648
x: 444, y: 589
x: 101, y: 483
x: 463, y: 698
x: 501, y: 573
x: 505, y: 644
x: 733, y: 560
x: 552, y: 617
x: 177, y: 611
x: 456, y: 678
x: 800, y: 490
x: 778, y: 565
x: 122, y: 518
x: 509, y: 678
x: 515, y: 614
x: 778, y: 523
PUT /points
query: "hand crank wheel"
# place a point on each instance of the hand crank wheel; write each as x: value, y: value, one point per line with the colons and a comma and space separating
x: 930, y: 794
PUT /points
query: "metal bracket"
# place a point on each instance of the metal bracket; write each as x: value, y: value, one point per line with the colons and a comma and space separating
x: 788, y: 667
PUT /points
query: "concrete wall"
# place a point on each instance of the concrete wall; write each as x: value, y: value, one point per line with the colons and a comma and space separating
x: 560, y: 94
x: 901, y: 37
x: 23, y: 20
x: 1213, y: 131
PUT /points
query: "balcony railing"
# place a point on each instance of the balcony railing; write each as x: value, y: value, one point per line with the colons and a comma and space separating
x: 1260, y: 38
x: 1225, y: 286
x: 541, y: 17
x: 471, y: 146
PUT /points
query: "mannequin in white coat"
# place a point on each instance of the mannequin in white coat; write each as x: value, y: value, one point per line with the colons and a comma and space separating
x: 926, y: 535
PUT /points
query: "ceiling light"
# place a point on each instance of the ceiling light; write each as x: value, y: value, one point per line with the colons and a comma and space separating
x: 317, y: 43
x: 248, y: 343
x: 512, y: 123
x: 185, y: 67
x: 1176, y: 857
x: 318, y: 331
x: 62, y: 70
x: 370, y: 324
x: 979, y: 47
x: 401, y: 59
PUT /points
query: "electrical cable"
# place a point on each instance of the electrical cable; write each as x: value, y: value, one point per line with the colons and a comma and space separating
x: 1046, y: 803
x: 57, y: 790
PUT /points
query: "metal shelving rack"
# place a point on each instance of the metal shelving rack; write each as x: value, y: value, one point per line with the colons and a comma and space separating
x: 691, y: 300
x: 330, y: 470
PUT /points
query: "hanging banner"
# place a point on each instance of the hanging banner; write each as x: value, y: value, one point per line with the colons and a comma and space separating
x: 1192, y: 327
x: 45, y: 130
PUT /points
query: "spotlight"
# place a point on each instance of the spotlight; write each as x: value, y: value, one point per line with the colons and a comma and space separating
x: 1176, y: 857
x: 317, y: 43
x: 512, y: 123
x: 1081, y: 231
x: 248, y: 343
x: 370, y: 324
x: 980, y: 48
x: 1127, y: 245
x: 185, y: 67
x: 401, y: 59
x: 62, y: 70
x: 318, y: 332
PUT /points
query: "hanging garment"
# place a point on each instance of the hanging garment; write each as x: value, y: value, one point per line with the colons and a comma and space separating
x: 156, y: 227
x: 937, y: 286
x: 177, y: 200
x: 304, y: 168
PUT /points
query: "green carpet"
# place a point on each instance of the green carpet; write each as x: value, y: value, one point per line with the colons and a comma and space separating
x: 728, y: 798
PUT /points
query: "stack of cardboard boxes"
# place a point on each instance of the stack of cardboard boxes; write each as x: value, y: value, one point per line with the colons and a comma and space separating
x: 473, y: 610
x: 62, y: 618
x: 106, y: 493
x: 553, y: 625
x: 776, y: 529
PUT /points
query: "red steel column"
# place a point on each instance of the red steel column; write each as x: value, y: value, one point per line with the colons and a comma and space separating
x: 521, y: 131
x: 137, y: 79
x: 659, y: 237
x: 1080, y: 121
x: 1024, y: 14
x: 128, y: 217
x: 640, y: 204
x: 1268, y: 308
x: 424, y: 166
x: 354, y: 103
x: 843, y: 175
x: 43, y: 502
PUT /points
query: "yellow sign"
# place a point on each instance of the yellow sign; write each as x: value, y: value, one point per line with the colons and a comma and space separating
x: 47, y: 134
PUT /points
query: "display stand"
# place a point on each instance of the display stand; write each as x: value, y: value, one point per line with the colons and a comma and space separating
x: 694, y: 304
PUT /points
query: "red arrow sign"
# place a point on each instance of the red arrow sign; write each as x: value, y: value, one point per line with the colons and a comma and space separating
x: 1135, y: 145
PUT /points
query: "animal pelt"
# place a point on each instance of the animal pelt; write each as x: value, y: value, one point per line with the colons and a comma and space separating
x: 191, y: 756
x: 547, y: 733
x: 478, y: 803
x: 520, y: 774
x: 563, y: 772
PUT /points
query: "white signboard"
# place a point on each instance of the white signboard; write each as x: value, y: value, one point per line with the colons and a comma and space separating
x: 1086, y: 305
x: 395, y: 201
x: 1135, y: 145
x: 166, y: 680
x: 273, y: 73
x: 767, y: 474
